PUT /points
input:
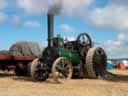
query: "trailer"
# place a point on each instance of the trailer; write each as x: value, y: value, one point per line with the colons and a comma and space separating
x: 17, y: 63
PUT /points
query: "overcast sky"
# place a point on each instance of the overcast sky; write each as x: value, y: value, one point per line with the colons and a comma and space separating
x: 105, y: 20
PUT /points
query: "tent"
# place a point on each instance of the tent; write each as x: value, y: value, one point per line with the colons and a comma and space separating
x: 110, y: 65
x: 124, y: 64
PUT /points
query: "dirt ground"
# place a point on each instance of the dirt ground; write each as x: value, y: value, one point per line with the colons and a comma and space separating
x: 115, y: 85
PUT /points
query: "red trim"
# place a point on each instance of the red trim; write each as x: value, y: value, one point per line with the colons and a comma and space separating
x: 23, y: 58
x: 16, y: 58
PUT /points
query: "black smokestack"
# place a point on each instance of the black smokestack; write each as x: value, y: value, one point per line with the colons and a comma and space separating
x: 50, y: 19
x: 53, y: 10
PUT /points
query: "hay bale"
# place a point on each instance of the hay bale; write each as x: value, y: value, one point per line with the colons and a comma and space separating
x: 25, y: 48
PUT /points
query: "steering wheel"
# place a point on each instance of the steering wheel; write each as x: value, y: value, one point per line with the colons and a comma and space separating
x: 84, y: 42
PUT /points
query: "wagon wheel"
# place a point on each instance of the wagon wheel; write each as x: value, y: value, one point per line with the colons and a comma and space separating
x: 84, y: 42
x: 28, y: 69
x: 62, y: 69
x: 39, y: 70
x: 20, y: 69
x: 96, y: 61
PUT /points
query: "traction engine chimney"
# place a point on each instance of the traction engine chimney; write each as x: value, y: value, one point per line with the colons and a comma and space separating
x: 50, y: 21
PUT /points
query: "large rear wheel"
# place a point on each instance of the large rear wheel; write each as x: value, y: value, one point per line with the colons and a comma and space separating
x: 62, y: 69
x: 96, y: 61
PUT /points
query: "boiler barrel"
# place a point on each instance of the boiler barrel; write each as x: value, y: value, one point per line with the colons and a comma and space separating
x: 74, y: 57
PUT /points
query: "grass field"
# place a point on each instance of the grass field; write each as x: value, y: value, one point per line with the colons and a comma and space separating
x: 115, y: 85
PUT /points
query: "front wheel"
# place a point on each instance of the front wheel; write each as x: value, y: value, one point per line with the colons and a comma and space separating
x: 62, y: 69
x: 39, y: 70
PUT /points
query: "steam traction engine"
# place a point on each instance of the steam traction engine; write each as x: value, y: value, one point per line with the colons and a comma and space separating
x: 77, y: 58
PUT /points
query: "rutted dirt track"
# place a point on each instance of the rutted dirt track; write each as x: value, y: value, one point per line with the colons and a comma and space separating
x: 116, y: 85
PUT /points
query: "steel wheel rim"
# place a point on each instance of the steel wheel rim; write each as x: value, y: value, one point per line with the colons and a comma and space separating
x: 93, y: 68
x: 100, y: 62
x: 39, y: 72
x: 62, y: 70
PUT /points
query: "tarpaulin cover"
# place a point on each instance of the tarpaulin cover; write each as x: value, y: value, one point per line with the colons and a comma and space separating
x: 25, y: 48
x: 5, y: 53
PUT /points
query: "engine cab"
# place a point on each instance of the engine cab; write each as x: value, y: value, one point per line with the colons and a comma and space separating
x: 58, y: 42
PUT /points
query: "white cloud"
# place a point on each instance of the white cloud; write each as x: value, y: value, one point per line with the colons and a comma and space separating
x: 117, y: 48
x: 69, y: 39
x: 113, y: 17
x: 3, y: 4
x: 120, y: 2
x: 110, y: 18
x: 3, y: 18
x: 16, y: 21
x: 32, y: 24
x: 66, y: 28
x: 66, y: 7
x: 75, y: 7
x: 112, y: 48
x: 122, y: 36
x: 33, y: 6
x: 113, y: 43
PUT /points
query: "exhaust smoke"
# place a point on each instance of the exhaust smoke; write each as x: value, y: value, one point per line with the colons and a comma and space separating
x: 56, y: 7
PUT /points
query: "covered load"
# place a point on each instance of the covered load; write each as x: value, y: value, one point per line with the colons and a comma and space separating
x: 26, y: 48
x: 4, y: 53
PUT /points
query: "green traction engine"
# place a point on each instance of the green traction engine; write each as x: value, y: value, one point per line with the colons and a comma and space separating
x: 63, y: 59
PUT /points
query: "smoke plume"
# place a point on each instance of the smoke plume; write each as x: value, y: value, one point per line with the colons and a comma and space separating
x: 56, y: 7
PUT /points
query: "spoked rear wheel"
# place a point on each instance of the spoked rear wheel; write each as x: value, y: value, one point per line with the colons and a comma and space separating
x: 62, y: 70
